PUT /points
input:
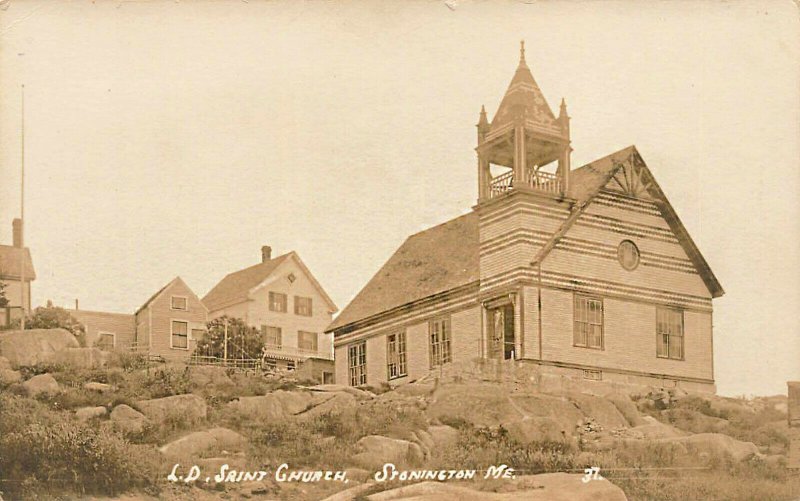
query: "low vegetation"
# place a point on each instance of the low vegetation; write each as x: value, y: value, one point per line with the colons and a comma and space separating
x: 45, y: 451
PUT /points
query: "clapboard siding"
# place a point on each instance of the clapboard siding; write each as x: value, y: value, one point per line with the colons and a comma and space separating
x: 629, y: 338
x: 162, y: 316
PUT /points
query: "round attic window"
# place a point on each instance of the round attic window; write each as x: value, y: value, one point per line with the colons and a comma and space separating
x: 628, y: 255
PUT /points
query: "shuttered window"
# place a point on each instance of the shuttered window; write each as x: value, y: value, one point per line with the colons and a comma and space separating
x: 302, y: 306
x: 588, y: 325
x: 669, y: 333
x: 277, y: 302
x: 180, y: 334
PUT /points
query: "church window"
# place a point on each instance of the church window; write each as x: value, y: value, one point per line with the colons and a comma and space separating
x: 628, y: 255
x: 588, y: 317
x: 396, y: 355
x: 357, y: 363
x: 669, y: 333
x: 439, y: 335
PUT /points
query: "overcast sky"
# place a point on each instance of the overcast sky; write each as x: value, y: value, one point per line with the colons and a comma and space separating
x: 168, y: 138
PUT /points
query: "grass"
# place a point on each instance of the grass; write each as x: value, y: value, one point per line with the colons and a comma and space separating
x: 42, y: 450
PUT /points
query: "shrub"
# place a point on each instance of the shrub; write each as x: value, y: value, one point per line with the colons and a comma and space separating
x: 43, y: 451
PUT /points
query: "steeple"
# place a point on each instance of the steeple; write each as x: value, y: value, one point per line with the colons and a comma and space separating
x: 524, y: 135
x: 483, y: 125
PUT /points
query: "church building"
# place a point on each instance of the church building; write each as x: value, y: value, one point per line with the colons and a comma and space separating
x: 586, y: 273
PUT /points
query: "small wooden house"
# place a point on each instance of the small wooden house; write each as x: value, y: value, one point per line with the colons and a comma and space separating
x: 170, y: 323
x: 586, y: 273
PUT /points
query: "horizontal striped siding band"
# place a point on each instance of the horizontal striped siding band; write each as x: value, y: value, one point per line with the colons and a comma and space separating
x: 516, y: 232
x: 526, y: 207
x: 628, y: 231
x: 634, y: 205
x: 593, y: 285
x: 613, y: 222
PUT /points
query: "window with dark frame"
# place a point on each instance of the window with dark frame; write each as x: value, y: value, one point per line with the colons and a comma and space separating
x: 180, y: 334
x: 669, y: 333
x: 396, y: 355
x: 179, y: 303
x: 307, y: 341
x: 357, y: 363
x: 272, y: 336
x: 302, y: 306
x: 439, y: 341
x: 277, y: 302
x: 588, y: 322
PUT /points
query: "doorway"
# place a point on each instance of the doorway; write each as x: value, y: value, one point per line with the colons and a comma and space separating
x: 501, y: 332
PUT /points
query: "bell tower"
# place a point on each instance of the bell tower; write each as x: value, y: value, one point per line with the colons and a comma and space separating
x: 523, y: 197
x: 525, y: 147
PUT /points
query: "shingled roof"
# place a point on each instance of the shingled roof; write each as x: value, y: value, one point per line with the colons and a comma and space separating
x: 10, y: 263
x: 429, y: 262
x: 446, y: 256
x: 235, y: 287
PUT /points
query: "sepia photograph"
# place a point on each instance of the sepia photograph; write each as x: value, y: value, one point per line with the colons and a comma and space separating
x: 423, y: 250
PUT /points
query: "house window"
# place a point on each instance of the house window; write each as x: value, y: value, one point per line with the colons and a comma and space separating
x: 396, y: 355
x: 272, y: 336
x: 307, y: 341
x: 290, y: 365
x: 105, y: 340
x: 669, y: 333
x: 180, y: 335
x: 588, y: 315
x: 179, y: 303
x: 277, y: 302
x: 302, y: 306
x: 357, y: 363
x: 270, y: 365
x: 439, y: 336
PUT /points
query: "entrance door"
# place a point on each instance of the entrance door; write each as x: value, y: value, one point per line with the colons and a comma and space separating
x: 501, y: 332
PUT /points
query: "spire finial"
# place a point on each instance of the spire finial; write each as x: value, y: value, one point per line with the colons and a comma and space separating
x: 522, y: 51
x: 483, y: 120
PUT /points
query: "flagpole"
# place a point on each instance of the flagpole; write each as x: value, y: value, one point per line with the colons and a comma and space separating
x: 22, y: 215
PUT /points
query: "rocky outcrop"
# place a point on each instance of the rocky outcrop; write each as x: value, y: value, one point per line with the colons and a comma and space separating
x: 43, y: 384
x: 273, y: 406
x: 336, y: 388
x: 478, y: 404
x: 9, y: 377
x: 128, y: 419
x: 88, y: 413
x: 376, y: 450
x: 443, y: 436
x: 544, y: 487
x: 538, y: 429
x: 98, y: 387
x: 34, y: 347
x: 715, y: 444
x: 80, y: 358
x: 208, y: 376
x: 189, y: 408
x: 199, y: 443
x: 602, y: 410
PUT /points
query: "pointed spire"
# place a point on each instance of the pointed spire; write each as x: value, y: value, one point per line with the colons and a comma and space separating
x: 563, y: 111
x: 483, y: 119
x: 524, y: 99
